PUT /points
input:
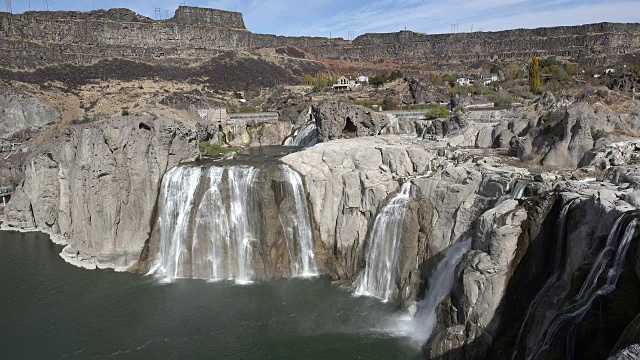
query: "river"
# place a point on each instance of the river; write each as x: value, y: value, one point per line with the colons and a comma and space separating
x: 52, y: 310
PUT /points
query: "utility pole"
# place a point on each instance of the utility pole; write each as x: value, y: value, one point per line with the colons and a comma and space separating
x: 9, y: 10
x: 471, y: 27
x: 166, y: 14
x: 158, y: 14
x: 46, y: 4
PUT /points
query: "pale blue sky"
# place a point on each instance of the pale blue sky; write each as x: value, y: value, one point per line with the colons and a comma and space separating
x: 339, y: 17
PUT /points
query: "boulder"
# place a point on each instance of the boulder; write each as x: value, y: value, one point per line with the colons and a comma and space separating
x: 336, y: 120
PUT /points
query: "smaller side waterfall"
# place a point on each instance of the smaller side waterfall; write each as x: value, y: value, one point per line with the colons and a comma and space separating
x: 610, y: 264
x: 383, y: 246
x: 440, y: 285
x: 297, y: 227
x: 555, y: 276
x: 516, y: 192
x: 305, y: 136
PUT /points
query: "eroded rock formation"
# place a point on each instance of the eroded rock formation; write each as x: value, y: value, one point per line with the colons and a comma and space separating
x: 97, y: 186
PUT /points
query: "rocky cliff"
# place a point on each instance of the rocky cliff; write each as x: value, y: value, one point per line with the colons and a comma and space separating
x: 516, y: 237
x: 44, y: 38
x: 97, y: 186
x: 23, y: 113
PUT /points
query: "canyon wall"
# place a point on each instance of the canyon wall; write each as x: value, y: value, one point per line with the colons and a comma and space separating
x: 43, y: 38
x: 97, y: 185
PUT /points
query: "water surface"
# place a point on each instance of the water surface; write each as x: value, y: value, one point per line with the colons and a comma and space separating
x: 52, y: 310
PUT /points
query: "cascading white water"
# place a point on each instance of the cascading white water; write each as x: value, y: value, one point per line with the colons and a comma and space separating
x: 516, y: 192
x: 610, y: 261
x: 440, y: 285
x: 297, y: 228
x: 209, y: 223
x: 384, y: 244
x: 211, y: 234
x: 306, y: 135
x: 244, y: 217
x: 178, y: 189
x: 555, y: 276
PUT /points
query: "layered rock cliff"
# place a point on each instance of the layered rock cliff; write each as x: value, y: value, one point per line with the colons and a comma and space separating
x: 97, y: 185
x: 44, y: 38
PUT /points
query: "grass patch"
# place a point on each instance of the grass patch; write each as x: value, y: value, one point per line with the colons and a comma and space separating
x: 215, y: 150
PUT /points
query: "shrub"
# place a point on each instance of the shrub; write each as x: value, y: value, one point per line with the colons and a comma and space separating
x: 436, y: 111
x: 390, y: 104
x: 503, y: 101
x: 214, y: 150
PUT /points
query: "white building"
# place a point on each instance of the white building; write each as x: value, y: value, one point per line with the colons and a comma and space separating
x: 345, y: 84
x: 464, y: 81
x: 488, y: 78
x: 609, y: 71
x: 363, y: 79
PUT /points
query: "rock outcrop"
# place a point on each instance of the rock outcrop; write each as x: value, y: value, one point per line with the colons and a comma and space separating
x: 198, y: 33
x: 19, y: 112
x: 97, y: 186
x: 336, y: 120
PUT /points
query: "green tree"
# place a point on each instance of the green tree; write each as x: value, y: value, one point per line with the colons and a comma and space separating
x: 534, y: 75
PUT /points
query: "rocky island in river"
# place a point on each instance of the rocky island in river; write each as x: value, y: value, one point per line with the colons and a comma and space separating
x: 395, y: 195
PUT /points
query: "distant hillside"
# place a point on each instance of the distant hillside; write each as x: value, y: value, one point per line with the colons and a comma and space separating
x: 36, y: 39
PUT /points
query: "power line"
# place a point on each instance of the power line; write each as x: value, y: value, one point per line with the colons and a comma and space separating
x: 8, y: 3
x: 45, y: 4
x: 166, y: 14
x: 158, y: 14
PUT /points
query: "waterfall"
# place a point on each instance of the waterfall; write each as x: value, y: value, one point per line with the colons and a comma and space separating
x: 610, y: 264
x: 297, y: 227
x: 378, y: 278
x: 210, y: 224
x: 555, y: 276
x: 244, y: 218
x: 516, y: 193
x: 440, y: 285
x: 305, y: 136
x: 178, y: 188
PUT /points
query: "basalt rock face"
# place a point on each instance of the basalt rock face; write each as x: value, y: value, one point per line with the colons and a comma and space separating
x: 19, y: 112
x: 64, y: 36
x: 349, y: 181
x: 527, y: 262
x: 554, y: 133
x: 336, y: 120
x: 584, y: 44
x: 195, y: 33
x: 97, y: 187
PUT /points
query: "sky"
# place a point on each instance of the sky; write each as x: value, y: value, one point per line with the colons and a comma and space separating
x: 347, y: 18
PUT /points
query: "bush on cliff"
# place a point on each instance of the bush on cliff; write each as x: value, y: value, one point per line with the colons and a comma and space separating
x: 436, y: 111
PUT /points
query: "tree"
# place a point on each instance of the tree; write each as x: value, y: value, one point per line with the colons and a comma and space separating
x: 308, y: 79
x: 534, y: 75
